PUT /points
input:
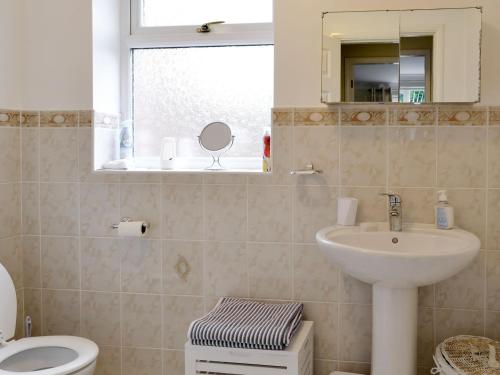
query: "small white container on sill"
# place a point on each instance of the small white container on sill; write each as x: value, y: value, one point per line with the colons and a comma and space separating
x: 346, y: 211
x: 296, y: 359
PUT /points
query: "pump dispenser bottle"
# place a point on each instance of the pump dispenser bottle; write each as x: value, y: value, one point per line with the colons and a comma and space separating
x: 444, y: 212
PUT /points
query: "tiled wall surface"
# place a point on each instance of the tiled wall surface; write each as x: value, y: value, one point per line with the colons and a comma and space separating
x: 10, y: 201
x: 249, y: 236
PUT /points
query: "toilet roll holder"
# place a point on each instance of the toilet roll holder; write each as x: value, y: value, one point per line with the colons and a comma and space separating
x: 145, y: 225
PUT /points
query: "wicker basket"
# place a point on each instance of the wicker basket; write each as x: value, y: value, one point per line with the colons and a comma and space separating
x: 469, y: 355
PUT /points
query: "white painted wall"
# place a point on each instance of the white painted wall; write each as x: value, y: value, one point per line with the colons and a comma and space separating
x: 10, y: 68
x: 298, y: 44
x: 57, y: 54
x: 106, y: 55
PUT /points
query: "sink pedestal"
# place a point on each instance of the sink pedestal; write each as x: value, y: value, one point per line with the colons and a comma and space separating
x: 394, y: 343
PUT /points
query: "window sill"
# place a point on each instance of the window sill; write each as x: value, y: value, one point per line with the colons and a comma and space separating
x: 192, y: 165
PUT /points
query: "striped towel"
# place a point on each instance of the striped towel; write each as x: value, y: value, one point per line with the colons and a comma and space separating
x: 239, y: 323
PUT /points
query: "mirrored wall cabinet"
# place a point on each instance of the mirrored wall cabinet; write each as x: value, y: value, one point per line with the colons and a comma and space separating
x: 407, y: 56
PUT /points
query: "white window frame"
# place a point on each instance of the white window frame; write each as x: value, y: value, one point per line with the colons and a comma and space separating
x: 134, y: 35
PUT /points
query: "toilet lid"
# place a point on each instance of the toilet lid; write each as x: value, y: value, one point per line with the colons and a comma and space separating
x: 8, y: 307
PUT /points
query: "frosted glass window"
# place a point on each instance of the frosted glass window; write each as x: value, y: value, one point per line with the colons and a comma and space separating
x: 177, y: 91
x: 197, y: 12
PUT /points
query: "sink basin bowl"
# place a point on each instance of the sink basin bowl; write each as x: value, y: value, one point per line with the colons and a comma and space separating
x: 396, y: 263
x: 420, y: 255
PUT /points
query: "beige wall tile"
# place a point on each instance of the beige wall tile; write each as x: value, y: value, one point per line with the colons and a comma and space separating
x: 226, y: 270
x: 100, y: 264
x: 492, y: 329
x: 173, y: 362
x: 225, y: 212
x: 178, y: 313
x: 269, y: 270
x: 85, y: 162
x: 109, y: 361
x: 141, y: 362
x: 61, y: 312
x: 142, y: 202
x: 412, y: 156
x: 493, y: 280
x: 30, y: 208
x: 59, y: 209
x: 315, y: 278
x: 355, y: 367
x: 353, y: 290
x: 58, y: 155
x: 356, y: 332
x: 425, y: 345
x: 60, y: 263
x: 140, y: 178
x: 319, y: 146
x: 9, y: 118
x: 141, y: 265
x: 458, y: 322
x: 11, y: 259
x: 99, y: 209
x: 182, y: 179
x: 494, y: 157
x: 269, y: 214
x: 141, y: 320
x: 461, y: 157
x: 314, y: 208
x: 10, y: 214
x: 30, y: 119
x: 494, y: 116
x: 183, y: 267
x: 326, y: 329
x: 100, y: 317
x: 182, y: 207
x: 30, y: 161
x: 418, y: 204
x: 493, y: 240
x: 58, y: 119
x: 426, y: 296
x: 362, y: 156
x: 470, y: 211
x: 31, y: 247
x: 10, y: 155
x: 224, y: 179
x: 371, y: 205
x: 33, y: 308
x: 323, y: 367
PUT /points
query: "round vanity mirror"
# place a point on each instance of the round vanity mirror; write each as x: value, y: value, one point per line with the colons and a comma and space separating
x: 216, y: 138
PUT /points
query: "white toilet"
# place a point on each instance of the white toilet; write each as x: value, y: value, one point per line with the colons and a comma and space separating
x: 45, y: 355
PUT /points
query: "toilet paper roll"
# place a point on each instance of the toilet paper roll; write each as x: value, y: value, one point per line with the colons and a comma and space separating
x: 132, y: 229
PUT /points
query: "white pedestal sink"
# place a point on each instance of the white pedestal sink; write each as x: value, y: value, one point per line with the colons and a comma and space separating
x: 397, y: 263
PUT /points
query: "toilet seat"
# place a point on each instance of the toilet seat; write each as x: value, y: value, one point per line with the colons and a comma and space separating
x: 85, y: 353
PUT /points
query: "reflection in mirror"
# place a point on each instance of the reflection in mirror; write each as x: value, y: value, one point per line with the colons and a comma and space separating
x: 408, y: 56
x: 360, y: 57
x: 450, y: 42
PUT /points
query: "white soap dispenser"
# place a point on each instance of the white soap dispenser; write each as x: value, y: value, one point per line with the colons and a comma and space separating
x: 444, y: 212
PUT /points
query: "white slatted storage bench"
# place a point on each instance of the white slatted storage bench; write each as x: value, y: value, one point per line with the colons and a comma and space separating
x: 296, y: 359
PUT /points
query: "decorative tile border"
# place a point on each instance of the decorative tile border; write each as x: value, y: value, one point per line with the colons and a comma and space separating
x: 315, y: 116
x: 85, y: 119
x: 58, y: 119
x: 495, y: 116
x: 413, y: 116
x: 462, y: 116
x: 106, y: 120
x: 282, y: 117
x: 364, y: 116
x: 9, y: 118
x: 30, y: 119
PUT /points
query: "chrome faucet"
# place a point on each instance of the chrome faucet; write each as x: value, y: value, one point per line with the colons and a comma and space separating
x: 395, y: 212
